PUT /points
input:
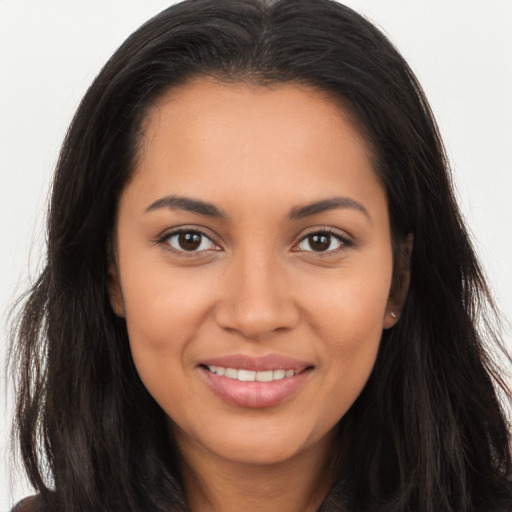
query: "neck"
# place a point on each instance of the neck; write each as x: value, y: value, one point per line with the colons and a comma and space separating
x: 213, y: 484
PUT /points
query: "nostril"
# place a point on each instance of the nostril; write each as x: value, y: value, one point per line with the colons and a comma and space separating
x: 256, y: 319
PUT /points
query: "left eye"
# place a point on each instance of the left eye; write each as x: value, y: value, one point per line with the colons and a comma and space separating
x: 321, y: 242
x: 190, y: 241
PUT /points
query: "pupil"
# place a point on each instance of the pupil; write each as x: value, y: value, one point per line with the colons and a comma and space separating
x: 319, y: 242
x: 189, y: 241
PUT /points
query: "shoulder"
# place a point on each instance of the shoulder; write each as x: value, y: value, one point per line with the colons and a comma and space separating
x: 26, y: 505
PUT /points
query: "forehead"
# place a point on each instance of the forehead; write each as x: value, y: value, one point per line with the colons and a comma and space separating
x: 210, y: 139
x: 281, y: 108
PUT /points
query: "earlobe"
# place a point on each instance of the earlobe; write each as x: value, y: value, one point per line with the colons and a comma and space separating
x: 114, y: 291
x: 390, y: 318
x: 400, y: 284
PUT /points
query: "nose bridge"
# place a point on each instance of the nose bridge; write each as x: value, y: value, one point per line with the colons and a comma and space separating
x: 258, y: 280
x: 257, y: 298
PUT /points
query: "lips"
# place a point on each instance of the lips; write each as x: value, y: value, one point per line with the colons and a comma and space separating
x: 255, y: 382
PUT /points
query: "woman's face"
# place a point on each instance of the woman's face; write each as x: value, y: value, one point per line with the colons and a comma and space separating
x: 253, y: 267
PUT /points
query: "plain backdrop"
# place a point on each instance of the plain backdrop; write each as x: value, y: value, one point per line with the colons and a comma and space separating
x: 50, y: 51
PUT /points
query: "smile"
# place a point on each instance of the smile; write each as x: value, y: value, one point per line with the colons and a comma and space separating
x: 252, y: 375
x: 255, y: 382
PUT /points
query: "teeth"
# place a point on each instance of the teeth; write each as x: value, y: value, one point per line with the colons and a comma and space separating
x: 251, y: 375
x: 231, y: 373
x: 264, y: 376
x: 246, y: 375
x: 279, y: 374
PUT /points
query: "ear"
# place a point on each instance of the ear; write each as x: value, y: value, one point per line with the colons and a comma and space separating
x: 400, y: 284
x: 114, y: 290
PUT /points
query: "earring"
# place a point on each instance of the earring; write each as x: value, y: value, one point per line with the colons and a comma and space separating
x: 393, y: 314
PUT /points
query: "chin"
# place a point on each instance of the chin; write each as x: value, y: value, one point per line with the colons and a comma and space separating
x: 257, y: 455
x: 263, y: 446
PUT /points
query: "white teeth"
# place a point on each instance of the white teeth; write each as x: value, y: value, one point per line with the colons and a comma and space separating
x: 246, y: 375
x: 265, y: 376
x: 251, y: 375
x: 279, y: 374
x: 231, y: 373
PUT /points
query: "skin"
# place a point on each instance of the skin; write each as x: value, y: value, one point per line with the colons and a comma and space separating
x: 256, y: 286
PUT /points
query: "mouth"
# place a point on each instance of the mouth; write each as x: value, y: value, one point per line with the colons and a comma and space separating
x: 256, y: 382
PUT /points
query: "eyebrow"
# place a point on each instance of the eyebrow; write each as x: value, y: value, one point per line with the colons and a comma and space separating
x: 187, y: 204
x: 200, y: 207
x: 324, y: 205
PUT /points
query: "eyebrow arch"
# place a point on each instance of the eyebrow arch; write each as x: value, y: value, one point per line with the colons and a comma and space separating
x: 174, y: 202
x: 200, y: 207
x: 325, y: 205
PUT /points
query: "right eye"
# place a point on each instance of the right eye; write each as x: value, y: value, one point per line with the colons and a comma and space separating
x: 322, y: 242
x: 189, y: 241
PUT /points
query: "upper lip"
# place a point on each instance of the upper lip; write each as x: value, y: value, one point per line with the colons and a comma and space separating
x: 260, y: 363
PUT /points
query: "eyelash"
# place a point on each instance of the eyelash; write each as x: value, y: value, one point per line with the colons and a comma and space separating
x: 164, y: 240
x: 344, y: 241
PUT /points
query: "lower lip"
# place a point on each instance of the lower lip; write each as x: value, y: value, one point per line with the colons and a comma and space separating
x: 255, y: 394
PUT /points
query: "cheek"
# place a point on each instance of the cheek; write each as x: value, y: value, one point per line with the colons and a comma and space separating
x: 164, y: 311
x: 163, y: 319
x: 347, y: 315
x: 351, y: 349
x: 348, y: 306
x: 161, y: 302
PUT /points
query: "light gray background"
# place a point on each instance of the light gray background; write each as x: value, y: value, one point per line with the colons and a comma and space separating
x: 50, y: 51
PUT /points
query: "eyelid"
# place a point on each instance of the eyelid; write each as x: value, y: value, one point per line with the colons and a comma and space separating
x: 343, y: 237
x: 169, y: 233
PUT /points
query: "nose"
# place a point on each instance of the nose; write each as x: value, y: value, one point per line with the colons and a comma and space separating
x: 257, y: 298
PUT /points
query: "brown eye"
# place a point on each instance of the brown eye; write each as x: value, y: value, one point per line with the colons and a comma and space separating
x: 319, y: 243
x: 322, y: 242
x: 190, y: 241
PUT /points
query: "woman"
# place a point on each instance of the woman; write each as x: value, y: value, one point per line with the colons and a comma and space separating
x: 259, y: 291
